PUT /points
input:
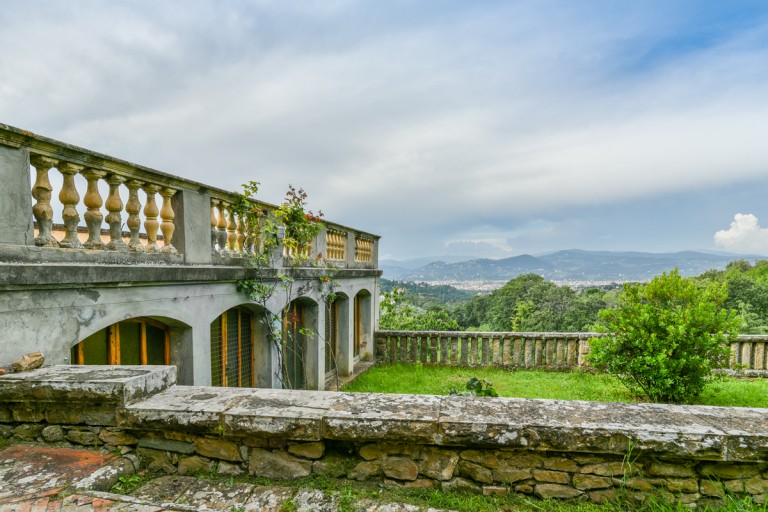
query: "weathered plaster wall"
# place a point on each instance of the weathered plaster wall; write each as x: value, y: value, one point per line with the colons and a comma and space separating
x: 16, y: 203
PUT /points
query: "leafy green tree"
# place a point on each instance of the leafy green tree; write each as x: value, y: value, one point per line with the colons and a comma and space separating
x: 399, y: 313
x: 665, y: 337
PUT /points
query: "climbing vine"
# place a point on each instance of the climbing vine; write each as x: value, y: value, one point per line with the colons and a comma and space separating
x: 279, y: 244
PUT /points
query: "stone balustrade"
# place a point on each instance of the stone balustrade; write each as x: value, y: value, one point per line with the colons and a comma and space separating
x: 558, y: 449
x: 166, y: 216
x: 552, y: 350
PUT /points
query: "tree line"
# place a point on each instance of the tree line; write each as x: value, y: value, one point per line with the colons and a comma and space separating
x: 532, y: 304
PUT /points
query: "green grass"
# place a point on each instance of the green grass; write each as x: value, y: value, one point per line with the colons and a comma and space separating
x: 438, y: 380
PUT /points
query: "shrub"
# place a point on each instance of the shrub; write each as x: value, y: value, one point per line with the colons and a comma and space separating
x: 665, y: 337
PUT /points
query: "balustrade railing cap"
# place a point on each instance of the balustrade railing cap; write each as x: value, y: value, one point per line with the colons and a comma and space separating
x: 69, y: 153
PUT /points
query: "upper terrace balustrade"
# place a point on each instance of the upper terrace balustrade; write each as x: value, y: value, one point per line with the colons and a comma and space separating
x: 166, y: 216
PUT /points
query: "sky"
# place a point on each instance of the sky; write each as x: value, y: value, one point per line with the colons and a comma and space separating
x: 482, y: 128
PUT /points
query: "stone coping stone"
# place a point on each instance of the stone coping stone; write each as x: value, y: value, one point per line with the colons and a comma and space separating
x: 699, y: 432
x: 86, y: 384
x: 408, y: 418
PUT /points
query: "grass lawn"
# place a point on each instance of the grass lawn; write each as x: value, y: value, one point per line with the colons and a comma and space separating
x: 438, y: 380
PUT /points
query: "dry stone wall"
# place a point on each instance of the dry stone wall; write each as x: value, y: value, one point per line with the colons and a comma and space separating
x: 549, y: 449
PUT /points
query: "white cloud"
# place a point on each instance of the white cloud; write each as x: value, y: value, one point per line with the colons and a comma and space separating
x: 745, y: 235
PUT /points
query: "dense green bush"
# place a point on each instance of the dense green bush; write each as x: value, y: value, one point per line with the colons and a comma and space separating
x: 665, y: 337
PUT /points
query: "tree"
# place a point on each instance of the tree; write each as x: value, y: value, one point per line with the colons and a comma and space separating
x: 399, y: 313
x: 665, y: 337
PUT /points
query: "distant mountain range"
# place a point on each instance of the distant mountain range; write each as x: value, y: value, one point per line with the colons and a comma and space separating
x: 570, y: 265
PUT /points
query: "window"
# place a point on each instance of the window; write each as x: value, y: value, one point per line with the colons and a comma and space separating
x: 138, y: 341
x: 331, y: 336
x: 232, y: 343
x: 294, y: 318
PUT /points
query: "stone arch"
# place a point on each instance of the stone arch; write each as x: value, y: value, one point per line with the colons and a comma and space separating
x: 363, y: 325
x: 240, y: 348
x: 301, y: 354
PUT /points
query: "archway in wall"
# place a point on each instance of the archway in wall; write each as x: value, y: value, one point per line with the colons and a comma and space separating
x: 237, y: 343
x: 336, y: 335
x: 363, y: 327
x: 138, y: 341
x: 299, y: 344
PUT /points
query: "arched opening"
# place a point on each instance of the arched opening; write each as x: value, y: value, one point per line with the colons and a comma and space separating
x: 237, y: 344
x: 363, y: 326
x: 299, y: 349
x: 337, y: 337
x: 138, y: 341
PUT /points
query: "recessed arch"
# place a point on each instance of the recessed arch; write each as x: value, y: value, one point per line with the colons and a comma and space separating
x: 133, y: 341
x: 362, y: 337
x: 240, y: 351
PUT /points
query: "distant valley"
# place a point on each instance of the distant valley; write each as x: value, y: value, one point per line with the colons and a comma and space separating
x: 574, y: 265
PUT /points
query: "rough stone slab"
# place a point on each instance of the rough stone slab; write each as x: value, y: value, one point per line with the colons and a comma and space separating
x: 86, y: 384
x: 293, y: 414
x: 597, y: 427
x: 186, y: 408
x: 384, y: 417
x: 746, y: 430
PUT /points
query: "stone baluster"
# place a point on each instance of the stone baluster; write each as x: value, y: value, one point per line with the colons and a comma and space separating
x: 232, y: 231
x: 133, y: 207
x: 70, y: 198
x: 42, y: 210
x: 114, y: 206
x: 241, y: 247
x: 93, y: 216
x: 221, y: 225
x: 213, y: 226
x: 167, y: 215
x: 151, y: 224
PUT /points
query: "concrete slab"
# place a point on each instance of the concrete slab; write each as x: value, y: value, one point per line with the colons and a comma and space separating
x: 192, y: 408
x: 165, y: 489
x: 579, y: 426
x: 384, y: 417
x: 295, y: 414
x: 86, y: 384
x: 34, y: 472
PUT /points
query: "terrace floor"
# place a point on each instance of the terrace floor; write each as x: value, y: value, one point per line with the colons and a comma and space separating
x: 39, y: 478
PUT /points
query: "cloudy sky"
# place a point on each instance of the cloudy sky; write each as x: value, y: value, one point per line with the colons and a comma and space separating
x: 483, y: 128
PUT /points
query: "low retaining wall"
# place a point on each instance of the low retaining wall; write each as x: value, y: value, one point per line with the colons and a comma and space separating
x: 547, y: 448
x: 551, y: 350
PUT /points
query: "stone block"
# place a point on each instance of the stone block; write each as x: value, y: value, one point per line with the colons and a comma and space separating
x: 726, y: 471
x: 438, y: 464
x: 194, y: 464
x: 156, y: 460
x: 556, y: 477
x: 278, y: 464
x: 517, y: 459
x: 510, y: 476
x: 53, y: 434
x: 603, y: 496
x: 677, y: 485
x: 560, y: 464
x: 495, y: 490
x: 217, y: 449
x: 311, y: 450
x: 419, y: 483
x: 461, y: 485
x: 94, y: 414
x: 365, y: 470
x: 485, y: 458
x: 28, y: 362
x: 524, y: 488
x: 612, y: 469
x: 117, y: 438
x: 400, y: 468
x: 394, y: 418
x: 167, y: 445
x: 83, y: 437
x: 555, y: 491
x: 590, y: 482
x: 669, y: 469
x: 28, y: 432
x: 711, y: 488
x: 476, y: 472
x: 756, y: 485
x: 28, y: 413
x: 226, y: 469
